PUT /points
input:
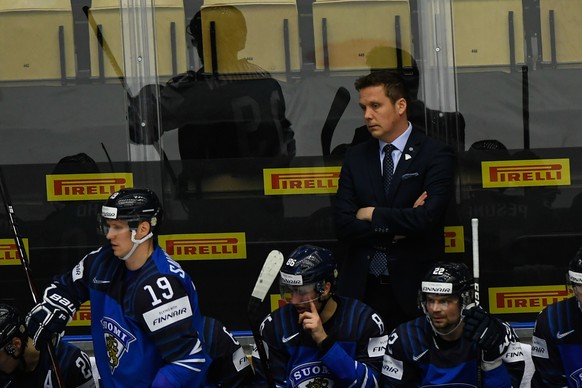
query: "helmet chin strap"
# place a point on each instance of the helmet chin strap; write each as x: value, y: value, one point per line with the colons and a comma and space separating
x: 136, y: 243
x: 448, y: 332
x: 323, y: 302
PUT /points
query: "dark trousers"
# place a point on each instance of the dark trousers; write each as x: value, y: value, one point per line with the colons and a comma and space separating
x: 380, y: 296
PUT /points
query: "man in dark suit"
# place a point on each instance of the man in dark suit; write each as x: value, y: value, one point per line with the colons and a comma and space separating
x: 391, y: 210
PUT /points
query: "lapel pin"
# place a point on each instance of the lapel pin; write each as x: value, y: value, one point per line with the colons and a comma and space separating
x: 406, y: 156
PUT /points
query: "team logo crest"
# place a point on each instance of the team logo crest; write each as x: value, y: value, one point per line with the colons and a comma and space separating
x: 311, y: 375
x: 319, y: 382
x: 117, y: 341
x: 577, y: 377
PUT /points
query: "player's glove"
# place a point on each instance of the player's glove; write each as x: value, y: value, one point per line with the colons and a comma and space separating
x: 489, y: 332
x: 47, y: 320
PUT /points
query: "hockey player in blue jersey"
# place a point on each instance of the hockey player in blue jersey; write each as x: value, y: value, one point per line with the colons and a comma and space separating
x: 456, y: 343
x: 145, y: 319
x: 557, y: 338
x: 318, y: 338
x: 22, y: 365
x: 230, y: 367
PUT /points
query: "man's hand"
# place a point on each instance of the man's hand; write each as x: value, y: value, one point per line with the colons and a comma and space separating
x: 365, y: 213
x: 48, y: 319
x: 489, y: 332
x: 311, y: 322
x: 420, y: 200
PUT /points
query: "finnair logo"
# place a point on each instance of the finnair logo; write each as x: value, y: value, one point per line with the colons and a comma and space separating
x: 575, y: 277
x: 109, y: 212
x: 168, y: 313
x: 294, y: 280
x: 437, y: 288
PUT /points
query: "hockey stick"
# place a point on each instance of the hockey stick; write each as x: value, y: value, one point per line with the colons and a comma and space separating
x: 25, y: 265
x: 266, y: 278
x: 336, y: 110
x: 475, y: 238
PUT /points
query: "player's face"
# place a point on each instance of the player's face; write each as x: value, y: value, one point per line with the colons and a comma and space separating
x: 300, y: 296
x: 385, y: 120
x: 443, y: 310
x: 119, y: 235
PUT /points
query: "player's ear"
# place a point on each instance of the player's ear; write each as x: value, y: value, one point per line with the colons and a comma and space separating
x: 14, y: 347
x: 401, y: 106
x: 143, y: 228
x: 327, y: 289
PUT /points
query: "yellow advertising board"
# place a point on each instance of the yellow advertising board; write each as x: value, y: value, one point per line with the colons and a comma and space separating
x: 525, y: 173
x: 82, y: 316
x: 276, y: 301
x: 9, y: 254
x: 205, y: 246
x: 529, y: 299
x: 85, y: 187
x: 302, y: 180
x: 454, y: 239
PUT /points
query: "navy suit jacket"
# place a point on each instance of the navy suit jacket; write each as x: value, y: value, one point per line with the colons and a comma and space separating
x: 425, y: 165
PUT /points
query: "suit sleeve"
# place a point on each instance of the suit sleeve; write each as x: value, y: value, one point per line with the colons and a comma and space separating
x: 346, y: 204
x: 436, y: 177
x: 546, y: 356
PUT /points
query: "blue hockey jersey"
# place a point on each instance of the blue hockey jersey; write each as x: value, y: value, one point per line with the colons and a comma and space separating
x: 230, y: 367
x: 74, y: 370
x: 415, y: 356
x: 354, y: 359
x: 557, y: 346
x: 144, y: 322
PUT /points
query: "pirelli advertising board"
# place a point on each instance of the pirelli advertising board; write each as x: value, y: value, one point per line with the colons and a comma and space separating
x: 82, y: 316
x: 531, y: 299
x: 205, y: 246
x: 85, y: 187
x: 9, y: 254
x: 454, y: 239
x: 303, y: 180
x: 524, y: 173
